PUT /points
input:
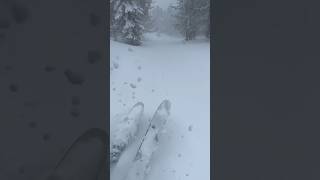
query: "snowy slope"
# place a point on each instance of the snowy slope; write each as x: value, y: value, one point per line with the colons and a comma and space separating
x: 168, y: 68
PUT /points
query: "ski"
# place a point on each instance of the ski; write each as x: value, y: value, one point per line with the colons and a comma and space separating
x: 84, y: 159
x: 125, y: 132
x: 149, y: 143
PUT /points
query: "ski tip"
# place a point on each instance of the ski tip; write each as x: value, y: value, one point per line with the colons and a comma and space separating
x: 73, y: 161
x: 166, y: 104
x: 93, y: 133
x: 137, y: 109
x: 138, y: 104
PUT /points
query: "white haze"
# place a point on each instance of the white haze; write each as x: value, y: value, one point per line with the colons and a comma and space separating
x: 164, y: 3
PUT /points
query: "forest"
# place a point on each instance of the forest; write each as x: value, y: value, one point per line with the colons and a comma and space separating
x: 130, y: 19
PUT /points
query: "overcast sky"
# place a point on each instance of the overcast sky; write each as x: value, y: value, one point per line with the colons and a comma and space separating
x: 164, y: 3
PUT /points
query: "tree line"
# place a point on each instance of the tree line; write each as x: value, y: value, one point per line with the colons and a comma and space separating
x: 130, y: 19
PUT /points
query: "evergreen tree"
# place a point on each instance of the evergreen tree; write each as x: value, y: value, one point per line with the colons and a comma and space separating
x: 146, y: 6
x: 126, y: 21
x: 186, y: 18
x: 203, y: 13
x: 113, y: 4
x: 192, y: 17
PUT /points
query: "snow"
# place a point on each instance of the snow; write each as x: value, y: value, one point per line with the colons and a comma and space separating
x: 162, y: 68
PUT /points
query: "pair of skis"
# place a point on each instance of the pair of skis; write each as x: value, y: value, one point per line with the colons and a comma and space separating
x: 137, y: 156
x: 85, y: 158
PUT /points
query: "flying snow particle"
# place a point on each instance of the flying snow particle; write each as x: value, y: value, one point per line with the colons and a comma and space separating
x: 133, y: 86
x: 49, y: 68
x: 46, y: 136
x: 75, y: 112
x: 93, y: 56
x: 13, y: 88
x: 32, y: 124
x: 74, y: 77
x: 115, y: 65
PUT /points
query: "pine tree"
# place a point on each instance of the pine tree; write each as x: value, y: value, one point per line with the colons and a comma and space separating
x: 113, y: 5
x: 203, y: 13
x: 146, y: 6
x: 192, y: 17
x: 186, y: 18
x: 126, y: 21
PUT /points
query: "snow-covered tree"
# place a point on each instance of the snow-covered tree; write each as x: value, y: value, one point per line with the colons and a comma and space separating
x: 127, y: 21
x: 146, y: 6
x: 203, y: 13
x: 186, y: 18
x: 192, y: 17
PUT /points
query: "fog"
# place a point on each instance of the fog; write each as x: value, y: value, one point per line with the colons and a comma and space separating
x: 164, y: 3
